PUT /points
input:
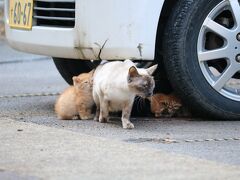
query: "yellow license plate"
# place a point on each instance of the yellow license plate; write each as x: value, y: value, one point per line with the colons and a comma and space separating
x: 20, y: 14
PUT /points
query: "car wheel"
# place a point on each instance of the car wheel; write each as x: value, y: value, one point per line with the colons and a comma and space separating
x: 202, y: 56
x: 69, y: 67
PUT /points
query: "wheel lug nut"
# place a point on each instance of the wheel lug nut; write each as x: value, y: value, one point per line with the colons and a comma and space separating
x: 238, y: 36
x: 238, y: 58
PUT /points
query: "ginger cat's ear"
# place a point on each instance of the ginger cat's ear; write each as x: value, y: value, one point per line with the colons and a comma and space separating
x: 133, y: 72
x: 91, y: 72
x: 152, y: 69
x: 75, y: 80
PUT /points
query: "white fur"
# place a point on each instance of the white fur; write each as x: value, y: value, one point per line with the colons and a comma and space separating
x: 110, y: 85
x: 111, y: 81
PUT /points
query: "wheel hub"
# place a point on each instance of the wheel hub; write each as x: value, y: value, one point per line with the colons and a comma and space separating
x: 222, y: 23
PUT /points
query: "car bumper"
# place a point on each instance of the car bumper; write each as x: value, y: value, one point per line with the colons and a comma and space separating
x: 126, y: 35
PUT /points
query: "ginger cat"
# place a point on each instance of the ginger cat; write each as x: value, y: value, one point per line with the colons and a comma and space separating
x: 76, y: 101
x: 163, y: 105
x: 115, y: 85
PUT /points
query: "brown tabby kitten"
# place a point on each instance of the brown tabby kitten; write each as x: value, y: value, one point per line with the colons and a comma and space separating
x: 76, y: 100
x: 163, y: 105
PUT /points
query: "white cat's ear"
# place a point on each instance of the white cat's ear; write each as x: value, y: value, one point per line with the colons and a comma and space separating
x: 133, y: 72
x: 152, y: 69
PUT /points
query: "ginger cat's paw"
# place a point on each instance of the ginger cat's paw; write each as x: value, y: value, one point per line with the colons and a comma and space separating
x: 87, y: 117
x: 75, y: 117
x: 68, y: 117
x: 128, y: 125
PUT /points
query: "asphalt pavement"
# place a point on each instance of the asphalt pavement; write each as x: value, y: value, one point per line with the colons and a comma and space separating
x: 35, y: 145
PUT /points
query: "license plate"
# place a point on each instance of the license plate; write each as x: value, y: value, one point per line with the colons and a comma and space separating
x: 20, y: 14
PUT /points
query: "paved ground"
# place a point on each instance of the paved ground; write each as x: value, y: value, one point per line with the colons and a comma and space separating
x: 35, y: 145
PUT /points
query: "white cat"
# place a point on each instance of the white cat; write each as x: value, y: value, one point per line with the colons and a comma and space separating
x: 115, y: 85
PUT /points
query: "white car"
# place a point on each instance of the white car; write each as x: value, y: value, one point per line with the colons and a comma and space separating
x: 196, y: 42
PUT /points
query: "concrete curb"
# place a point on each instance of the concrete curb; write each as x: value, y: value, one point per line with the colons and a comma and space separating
x: 50, y: 153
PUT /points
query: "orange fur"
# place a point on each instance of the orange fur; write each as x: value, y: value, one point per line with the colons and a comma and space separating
x: 76, y: 100
x: 165, y: 105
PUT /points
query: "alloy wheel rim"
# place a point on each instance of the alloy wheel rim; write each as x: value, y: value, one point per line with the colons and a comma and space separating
x: 218, y: 49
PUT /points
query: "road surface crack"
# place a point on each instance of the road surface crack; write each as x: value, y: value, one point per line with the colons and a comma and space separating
x: 30, y: 95
x: 171, y: 141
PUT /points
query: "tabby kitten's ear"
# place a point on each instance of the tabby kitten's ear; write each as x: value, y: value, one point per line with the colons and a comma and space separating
x: 152, y: 69
x: 177, y: 105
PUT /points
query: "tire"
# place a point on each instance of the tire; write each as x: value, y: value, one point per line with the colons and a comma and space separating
x: 189, y: 76
x: 69, y: 67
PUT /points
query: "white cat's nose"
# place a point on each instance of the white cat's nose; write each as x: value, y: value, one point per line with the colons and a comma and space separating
x: 149, y: 94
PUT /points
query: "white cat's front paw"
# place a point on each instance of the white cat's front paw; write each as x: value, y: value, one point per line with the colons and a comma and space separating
x: 103, y: 120
x: 128, y: 125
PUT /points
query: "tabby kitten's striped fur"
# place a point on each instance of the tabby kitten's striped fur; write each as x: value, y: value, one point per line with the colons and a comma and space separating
x: 163, y: 105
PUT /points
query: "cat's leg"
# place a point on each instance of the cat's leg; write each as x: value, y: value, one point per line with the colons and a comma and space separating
x: 96, y: 117
x: 126, y: 113
x: 85, y: 113
x: 97, y: 102
x: 104, y: 112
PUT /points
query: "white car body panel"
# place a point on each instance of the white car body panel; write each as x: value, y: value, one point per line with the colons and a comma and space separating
x: 128, y: 29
